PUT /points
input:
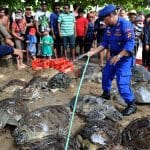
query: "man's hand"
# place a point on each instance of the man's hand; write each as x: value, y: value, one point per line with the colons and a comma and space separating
x: 91, y: 52
x: 94, y: 51
x: 114, y: 60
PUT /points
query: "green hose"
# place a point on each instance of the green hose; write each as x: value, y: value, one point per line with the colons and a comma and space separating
x: 75, y: 105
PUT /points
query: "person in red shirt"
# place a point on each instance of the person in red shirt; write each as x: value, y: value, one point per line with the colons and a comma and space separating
x: 81, y: 29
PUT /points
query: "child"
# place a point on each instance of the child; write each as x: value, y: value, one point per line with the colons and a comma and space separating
x: 47, y: 44
x: 32, y: 40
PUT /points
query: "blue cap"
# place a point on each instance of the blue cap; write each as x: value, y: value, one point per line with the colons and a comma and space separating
x: 107, y: 10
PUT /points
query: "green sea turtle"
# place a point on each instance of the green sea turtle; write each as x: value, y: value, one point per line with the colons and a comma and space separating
x: 96, y: 108
x: 140, y: 74
x: 141, y: 91
x: 13, y: 85
x: 11, y: 111
x: 97, y: 135
x: 32, y: 89
x: 38, y: 83
x: 43, y: 128
x: 59, y: 80
x: 136, y: 136
x: 93, y: 73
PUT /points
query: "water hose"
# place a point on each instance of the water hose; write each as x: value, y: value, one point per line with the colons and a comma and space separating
x: 75, y: 104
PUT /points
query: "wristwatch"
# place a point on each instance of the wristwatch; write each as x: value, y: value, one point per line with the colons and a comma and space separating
x: 119, y: 56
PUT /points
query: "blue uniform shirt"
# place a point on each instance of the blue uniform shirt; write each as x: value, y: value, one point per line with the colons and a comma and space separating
x: 119, y: 37
x: 54, y: 23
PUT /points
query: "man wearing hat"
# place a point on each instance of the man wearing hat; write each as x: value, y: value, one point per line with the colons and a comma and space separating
x: 119, y: 38
x: 132, y: 15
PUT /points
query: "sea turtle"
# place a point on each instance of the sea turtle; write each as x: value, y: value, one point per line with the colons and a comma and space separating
x: 32, y: 90
x: 136, y: 136
x: 27, y: 94
x: 59, y: 80
x: 97, y: 135
x: 11, y: 111
x: 93, y: 73
x: 38, y: 82
x: 142, y: 92
x: 13, y: 85
x: 96, y: 108
x: 43, y: 126
x: 140, y: 74
x: 52, y: 143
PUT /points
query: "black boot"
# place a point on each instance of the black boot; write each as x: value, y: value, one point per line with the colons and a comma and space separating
x: 130, y: 109
x: 106, y: 95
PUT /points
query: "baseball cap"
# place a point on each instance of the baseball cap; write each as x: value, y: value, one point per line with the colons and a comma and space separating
x: 107, y: 10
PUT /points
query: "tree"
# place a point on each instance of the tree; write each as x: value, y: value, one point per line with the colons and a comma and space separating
x: 127, y: 4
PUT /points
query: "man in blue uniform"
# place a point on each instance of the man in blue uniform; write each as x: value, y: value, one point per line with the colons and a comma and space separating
x: 119, y: 38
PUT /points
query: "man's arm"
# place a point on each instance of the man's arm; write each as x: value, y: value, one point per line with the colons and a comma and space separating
x: 94, y: 51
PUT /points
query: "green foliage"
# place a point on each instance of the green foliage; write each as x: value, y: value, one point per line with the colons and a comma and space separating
x: 127, y: 4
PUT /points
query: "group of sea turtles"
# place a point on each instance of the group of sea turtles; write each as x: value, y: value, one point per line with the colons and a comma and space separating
x: 46, y: 128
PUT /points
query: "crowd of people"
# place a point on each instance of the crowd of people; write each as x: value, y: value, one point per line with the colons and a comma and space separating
x: 49, y: 34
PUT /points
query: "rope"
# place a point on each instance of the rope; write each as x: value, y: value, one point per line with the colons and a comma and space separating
x: 75, y: 104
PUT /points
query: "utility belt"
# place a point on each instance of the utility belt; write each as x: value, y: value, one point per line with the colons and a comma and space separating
x: 114, y: 53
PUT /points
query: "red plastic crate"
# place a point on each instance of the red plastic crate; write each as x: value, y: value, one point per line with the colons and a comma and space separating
x: 61, y: 64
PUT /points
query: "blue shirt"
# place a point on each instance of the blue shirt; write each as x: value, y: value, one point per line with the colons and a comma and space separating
x: 54, y: 22
x: 119, y: 37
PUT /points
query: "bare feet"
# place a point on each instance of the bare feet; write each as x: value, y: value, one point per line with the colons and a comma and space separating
x: 20, y: 67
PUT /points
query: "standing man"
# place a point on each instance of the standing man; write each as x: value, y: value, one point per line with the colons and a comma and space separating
x: 66, y: 27
x: 54, y: 27
x: 42, y: 19
x: 119, y: 37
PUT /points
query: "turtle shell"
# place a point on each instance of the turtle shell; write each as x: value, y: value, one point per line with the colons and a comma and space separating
x: 44, y: 124
x: 103, y: 133
x: 96, y: 108
x: 136, y: 136
x: 11, y: 111
x: 140, y: 74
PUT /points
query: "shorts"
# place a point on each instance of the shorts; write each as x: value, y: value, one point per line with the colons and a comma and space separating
x: 69, y: 40
x: 5, y: 50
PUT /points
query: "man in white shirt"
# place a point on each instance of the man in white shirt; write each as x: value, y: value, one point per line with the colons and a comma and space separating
x: 42, y: 19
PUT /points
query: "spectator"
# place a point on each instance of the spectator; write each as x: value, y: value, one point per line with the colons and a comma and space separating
x: 132, y: 15
x: 89, y: 38
x: 47, y: 45
x: 4, y: 19
x: 30, y: 32
x: 123, y: 14
x: 5, y: 37
x: 81, y: 29
x: 138, y: 30
x: 76, y: 7
x: 99, y: 28
x: 66, y: 27
x: 42, y: 19
x: 54, y: 27
x: 146, y: 42
x: 5, y: 50
x: 19, y: 29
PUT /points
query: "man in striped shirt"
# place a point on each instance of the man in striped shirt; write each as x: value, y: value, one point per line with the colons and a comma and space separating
x: 66, y: 27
